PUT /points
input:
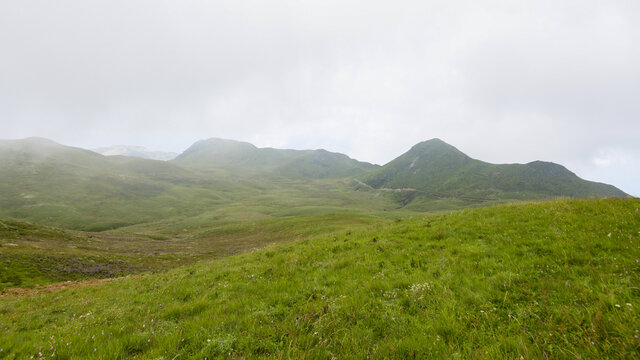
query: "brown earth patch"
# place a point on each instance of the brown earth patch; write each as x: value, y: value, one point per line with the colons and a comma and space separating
x: 43, y: 289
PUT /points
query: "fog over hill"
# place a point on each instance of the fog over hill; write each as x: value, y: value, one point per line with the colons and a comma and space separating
x: 55, y: 184
x: 136, y: 151
x: 346, y: 179
x: 545, y: 80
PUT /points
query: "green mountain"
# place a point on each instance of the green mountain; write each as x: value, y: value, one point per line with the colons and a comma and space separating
x: 44, y: 182
x: 237, y: 158
x: 357, y: 279
x: 439, y: 170
x: 53, y: 184
x: 219, y: 180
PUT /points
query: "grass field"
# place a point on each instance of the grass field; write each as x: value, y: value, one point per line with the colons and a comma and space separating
x: 555, y: 279
x: 226, y: 181
x: 33, y: 255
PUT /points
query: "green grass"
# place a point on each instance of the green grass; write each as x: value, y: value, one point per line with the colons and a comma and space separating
x: 55, y: 185
x: 328, y: 268
x: 33, y: 255
x: 71, y: 188
x: 240, y: 159
x: 532, y: 280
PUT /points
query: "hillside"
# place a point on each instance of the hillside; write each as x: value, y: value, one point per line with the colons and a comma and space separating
x: 53, y: 184
x: 438, y: 170
x: 235, y: 158
x: 32, y: 254
x: 35, y: 255
x: 530, y: 280
x: 222, y: 180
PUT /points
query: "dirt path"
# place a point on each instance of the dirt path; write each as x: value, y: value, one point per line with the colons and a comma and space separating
x: 43, y: 289
x: 384, y: 189
x: 433, y: 195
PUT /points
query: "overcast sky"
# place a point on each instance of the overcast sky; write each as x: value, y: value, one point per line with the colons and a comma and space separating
x: 504, y: 81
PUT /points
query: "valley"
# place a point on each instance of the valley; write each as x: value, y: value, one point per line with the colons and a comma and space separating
x: 229, y: 250
x: 553, y: 279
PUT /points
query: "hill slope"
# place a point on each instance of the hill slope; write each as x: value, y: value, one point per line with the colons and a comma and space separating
x: 52, y: 184
x: 32, y: 254
x: 49, y: 183
x: 439, y: 169
x: 544, y: 280
x: 35, y: 255
x: 243, y: 159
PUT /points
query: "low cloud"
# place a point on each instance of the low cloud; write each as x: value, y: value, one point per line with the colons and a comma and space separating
x: 503, y: 81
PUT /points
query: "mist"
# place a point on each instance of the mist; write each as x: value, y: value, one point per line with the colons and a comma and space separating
x: 503, y: 81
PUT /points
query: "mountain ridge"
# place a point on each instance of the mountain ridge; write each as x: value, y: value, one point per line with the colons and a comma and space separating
x: 54, y: 184
x: 434, y: 166
x: 243, y: 158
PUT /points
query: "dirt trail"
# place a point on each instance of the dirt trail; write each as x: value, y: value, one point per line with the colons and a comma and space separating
x: 431, y: 194
x: 43, y: 289
x: 384, y: 189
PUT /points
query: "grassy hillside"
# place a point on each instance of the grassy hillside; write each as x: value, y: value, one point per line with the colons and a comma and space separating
x: 241, y: 159
x: 438, y: 170
x: 48, y: 183
x: 33, y: 255
x: 52, y: 184
x: 532, y: 280
x: 55, y: 185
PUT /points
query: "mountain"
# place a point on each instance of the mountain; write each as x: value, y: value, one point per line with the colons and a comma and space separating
x: 53, y: 184
x: 47, y: 183
x: 439, y: 170
x: 244, y: 159
x: 135, y: 151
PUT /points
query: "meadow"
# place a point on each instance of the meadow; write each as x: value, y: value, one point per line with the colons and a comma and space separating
x: 555, y: 279
x: 35, y: 255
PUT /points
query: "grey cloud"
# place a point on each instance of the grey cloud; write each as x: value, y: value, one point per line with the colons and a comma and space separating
x: 504, y: 81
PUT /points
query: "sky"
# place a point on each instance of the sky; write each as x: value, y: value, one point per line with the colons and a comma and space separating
x: 503, y: 81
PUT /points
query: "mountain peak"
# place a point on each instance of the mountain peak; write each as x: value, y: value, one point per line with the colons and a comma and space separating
x: 216, y: 147
x: 436, y: 148
x: 221, y: 143
x: 33, y: 141
x: 242, y: 158
x: 550, y: 168
x: 435, y: 167
x: 41, y: 140
x: 218, y: 140
x: 434, y: 143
